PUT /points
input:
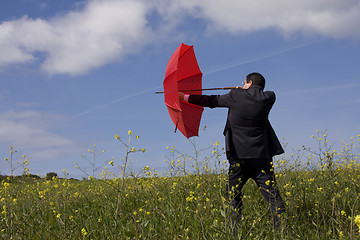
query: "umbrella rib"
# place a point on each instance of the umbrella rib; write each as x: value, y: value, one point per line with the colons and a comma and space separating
x: 199, y: 74
x: 185, y: 52
x: 177, y: 110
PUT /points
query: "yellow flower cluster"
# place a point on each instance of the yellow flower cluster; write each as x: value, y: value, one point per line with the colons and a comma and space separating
x: 357, y: 221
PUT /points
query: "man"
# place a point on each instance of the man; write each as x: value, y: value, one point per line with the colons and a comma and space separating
x: 250, y: 140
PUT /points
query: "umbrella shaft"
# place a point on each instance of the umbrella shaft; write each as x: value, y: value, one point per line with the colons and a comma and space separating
x: 203, y: 89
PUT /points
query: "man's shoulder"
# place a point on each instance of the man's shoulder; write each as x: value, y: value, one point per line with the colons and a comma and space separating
x: 270, y: 95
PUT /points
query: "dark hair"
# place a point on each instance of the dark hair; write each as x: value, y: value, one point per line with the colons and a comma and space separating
x: 256, y: 78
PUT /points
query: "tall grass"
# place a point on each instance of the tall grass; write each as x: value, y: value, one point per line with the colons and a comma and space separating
x: 321, y: 189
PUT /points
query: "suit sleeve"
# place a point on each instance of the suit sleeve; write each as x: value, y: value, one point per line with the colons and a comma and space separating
x: 211, y: 101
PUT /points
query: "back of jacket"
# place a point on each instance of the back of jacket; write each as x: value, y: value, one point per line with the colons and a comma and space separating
x: 248, y: 133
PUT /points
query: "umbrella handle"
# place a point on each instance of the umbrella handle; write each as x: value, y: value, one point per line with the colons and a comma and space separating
x: 204, y: 89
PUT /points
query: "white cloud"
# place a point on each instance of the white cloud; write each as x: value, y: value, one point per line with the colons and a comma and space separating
x: 331, y: 18
x: 104, y: 31
x: 10, y: 52
x: 27, y: 131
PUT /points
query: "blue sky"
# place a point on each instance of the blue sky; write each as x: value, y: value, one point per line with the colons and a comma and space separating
x: 74, y: 74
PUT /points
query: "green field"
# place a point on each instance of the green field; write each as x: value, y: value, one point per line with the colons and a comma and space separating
x: 322, y: 198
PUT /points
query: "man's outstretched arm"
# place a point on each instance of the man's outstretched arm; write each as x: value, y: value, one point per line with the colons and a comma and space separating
x: 210, y: 101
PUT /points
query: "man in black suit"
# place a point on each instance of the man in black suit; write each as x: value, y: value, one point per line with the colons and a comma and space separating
x: 250, y: 140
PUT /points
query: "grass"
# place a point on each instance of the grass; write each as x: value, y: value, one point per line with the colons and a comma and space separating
x: 321, y: 194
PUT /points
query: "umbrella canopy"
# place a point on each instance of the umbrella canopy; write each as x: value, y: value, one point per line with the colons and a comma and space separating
x: 183, y: 73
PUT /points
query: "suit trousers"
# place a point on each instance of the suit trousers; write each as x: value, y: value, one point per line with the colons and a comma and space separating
x: 262, y: 172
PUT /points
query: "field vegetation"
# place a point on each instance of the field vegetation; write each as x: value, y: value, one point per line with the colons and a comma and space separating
x: 321, y: 188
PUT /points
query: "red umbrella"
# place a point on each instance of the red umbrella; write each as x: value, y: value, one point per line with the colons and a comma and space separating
x: 183, y: 74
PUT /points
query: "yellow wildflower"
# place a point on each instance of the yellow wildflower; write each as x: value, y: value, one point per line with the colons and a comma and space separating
x: 357, y: 221
x: 83, y: 232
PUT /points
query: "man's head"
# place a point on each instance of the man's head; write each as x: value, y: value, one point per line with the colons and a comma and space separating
x: 255, y: 79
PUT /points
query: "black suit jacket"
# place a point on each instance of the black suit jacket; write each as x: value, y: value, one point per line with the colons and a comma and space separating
x: 248, y: 133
